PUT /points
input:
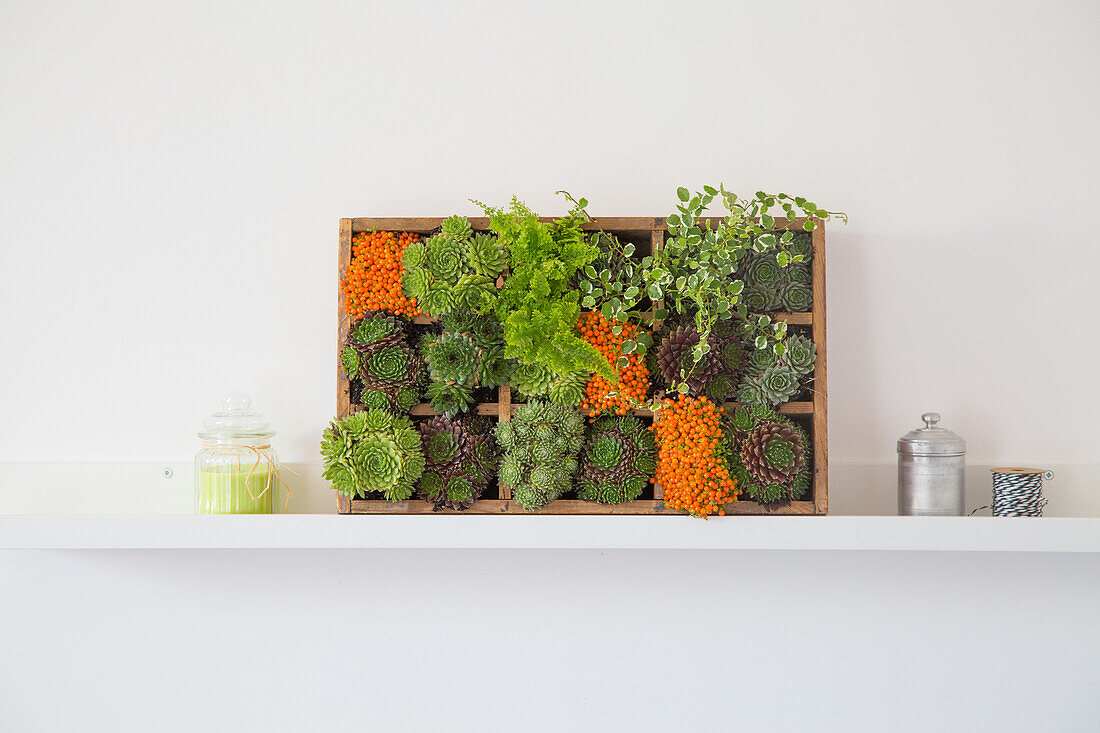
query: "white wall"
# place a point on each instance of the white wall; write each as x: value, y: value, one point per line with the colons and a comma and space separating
x: 171, y: 176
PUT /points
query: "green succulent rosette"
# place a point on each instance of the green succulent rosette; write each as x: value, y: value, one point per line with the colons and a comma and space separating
x: 389, y: 363
x: 778, y: 383
x: 349, y: 359
x: 487, y: 255
x: 469, y: 353
x: 386, y: 374
x: 750, y: 391
x: 763, y: 270
x: 617, y: 461
x: 759, y: 361
x: 449, y: 398
x: 758, y: 298
x: 456, y: 228
x: 372, y: 452
x: 376, y: 327
x: 452, y: 357
x: 533, y: 380
x: 461, y: 457
x: 452, y: 269
x: 473, y: 291
x: 801, y: 244
x: 799, y: 272
x: 445, y: 258
x: 796, y: 297
x: 801, y: 354
x: 541, y: 442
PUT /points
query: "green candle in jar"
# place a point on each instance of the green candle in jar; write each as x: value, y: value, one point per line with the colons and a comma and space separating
x: 236, y: 489
x: 236, y: 470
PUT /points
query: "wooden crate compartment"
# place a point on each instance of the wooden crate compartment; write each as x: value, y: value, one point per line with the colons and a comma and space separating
x: 646, y: 233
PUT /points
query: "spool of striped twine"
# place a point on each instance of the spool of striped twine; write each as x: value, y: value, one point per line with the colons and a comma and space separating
x: 1018, y: 492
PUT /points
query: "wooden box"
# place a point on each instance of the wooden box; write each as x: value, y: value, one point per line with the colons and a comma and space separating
x: 647, y: 234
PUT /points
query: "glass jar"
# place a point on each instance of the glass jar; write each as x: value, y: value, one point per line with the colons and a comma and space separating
x: 236, y: 471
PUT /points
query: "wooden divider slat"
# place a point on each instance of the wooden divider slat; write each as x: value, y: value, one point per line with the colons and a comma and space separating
x: 820, y: 419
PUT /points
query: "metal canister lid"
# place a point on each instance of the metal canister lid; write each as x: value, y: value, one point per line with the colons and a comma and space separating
x: 931, y: 440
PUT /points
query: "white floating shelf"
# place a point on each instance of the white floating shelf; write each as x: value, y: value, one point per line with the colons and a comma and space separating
x: 304, y: 531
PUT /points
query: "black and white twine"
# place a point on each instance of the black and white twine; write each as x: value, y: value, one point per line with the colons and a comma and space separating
x: 1019, y: 494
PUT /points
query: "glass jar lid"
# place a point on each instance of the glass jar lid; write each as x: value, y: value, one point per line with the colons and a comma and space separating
x: 931, y: 440
x: 236, y: 420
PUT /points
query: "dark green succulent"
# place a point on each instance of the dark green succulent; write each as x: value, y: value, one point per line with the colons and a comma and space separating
x: 461, y: 455
x: 389, y: 363
x: 763, y: 270
x: 617, y: 460
x: 388, y: 373
x: 801, y: 245
x: 452, y: 357
x: 372, y: 452
x: 717, y: 371
x: 768, y: 455
x: 469, y: 353
x: 799, y: 272
x: 774, y: 281
x: 796, y: 297
x: 540, y: 443
x: 750, y: 391
x: 757, y: 298
x: 473, y: 291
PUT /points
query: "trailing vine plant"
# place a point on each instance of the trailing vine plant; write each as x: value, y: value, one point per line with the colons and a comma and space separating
x: 695, y: 270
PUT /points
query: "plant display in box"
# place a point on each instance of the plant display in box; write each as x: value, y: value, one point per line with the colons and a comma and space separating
x: 390, y: 372
x: 617, y: 342
x: 469, y: 353
x: 692, y: 456
x: 453, y: 269
x: 769, y: 455
x: 770, y: 287
x: 694, y: 271
x: 538, y: 306
x: 617, y: 461
x: 540, y: 452
x: 462, y: 457
x: 773, y: 376
x: 372, y: 452
x: 372, y: 281
x: 716, y: 375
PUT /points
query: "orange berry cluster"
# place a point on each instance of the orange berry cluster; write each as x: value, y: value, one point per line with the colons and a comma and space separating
x: 690, y: 466
x: 372, y: 281
x: 633, y: 383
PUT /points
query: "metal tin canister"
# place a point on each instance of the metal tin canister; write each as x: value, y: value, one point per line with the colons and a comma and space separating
x: 931, y: 471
